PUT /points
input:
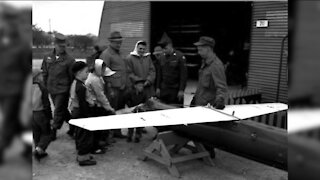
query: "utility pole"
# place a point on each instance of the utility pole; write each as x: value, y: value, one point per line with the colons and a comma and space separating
x: 49, y: 25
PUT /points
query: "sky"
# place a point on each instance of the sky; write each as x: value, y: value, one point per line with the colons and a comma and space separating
x: 68, y: 17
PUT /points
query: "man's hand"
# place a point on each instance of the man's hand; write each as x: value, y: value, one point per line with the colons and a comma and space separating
x: 180, y: 95
x: 112, y: 111
x: 158, y: 93
x: 219, y: 105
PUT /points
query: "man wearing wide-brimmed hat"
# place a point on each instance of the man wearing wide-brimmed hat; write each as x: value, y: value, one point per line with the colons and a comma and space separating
x: 212, y: 86
x: 117, y: 84
x: 57, y: 78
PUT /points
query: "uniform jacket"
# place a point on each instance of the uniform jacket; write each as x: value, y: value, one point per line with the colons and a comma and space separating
x: 172, y: 71
x: 212, y: 85
x: 116, y: 63
x: 140, y: 67
x: 57, y: 73
x: 95, y: 85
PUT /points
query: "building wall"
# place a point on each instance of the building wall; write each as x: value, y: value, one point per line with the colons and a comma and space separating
x: 132, y: 19
x: 265, y: 51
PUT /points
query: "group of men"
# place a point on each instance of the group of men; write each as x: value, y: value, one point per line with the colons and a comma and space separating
x: 163, y: 75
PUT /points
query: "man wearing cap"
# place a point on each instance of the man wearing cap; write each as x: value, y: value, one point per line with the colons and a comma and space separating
x: 117, y: 84
x: 212, y: 86
x: 172, y: 74
x: 57, y: 76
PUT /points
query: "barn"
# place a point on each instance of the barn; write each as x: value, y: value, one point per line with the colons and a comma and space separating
x: 251, y: 37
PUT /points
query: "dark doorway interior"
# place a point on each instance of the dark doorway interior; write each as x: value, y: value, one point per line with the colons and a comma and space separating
x: 228, y: 22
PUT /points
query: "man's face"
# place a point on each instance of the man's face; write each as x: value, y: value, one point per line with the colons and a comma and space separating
x: 203, y: 51
x: 167, y: 49
x: 141, y: 49
x: 116, y: 44
x: 60, y: 48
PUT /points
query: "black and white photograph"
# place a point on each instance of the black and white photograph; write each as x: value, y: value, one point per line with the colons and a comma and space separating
x: 159, y: 90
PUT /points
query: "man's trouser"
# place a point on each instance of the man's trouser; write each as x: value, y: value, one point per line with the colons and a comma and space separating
x: 61, y: 113
x: 117, y: 101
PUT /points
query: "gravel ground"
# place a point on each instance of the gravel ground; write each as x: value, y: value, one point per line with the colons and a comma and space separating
x: 121, y: 163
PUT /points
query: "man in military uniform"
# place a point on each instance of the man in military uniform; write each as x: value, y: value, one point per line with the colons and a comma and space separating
x: 117, y: 84
x: 172, y: 78
x: 212, y: 86
x: 58, y: 77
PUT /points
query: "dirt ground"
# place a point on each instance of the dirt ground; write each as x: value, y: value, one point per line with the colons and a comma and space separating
x: 122, y: 163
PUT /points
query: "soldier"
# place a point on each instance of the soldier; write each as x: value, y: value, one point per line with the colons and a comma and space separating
x: 212, y: 86
x: 117, y: 85
x: 172, y: 78
x: 57, y: 76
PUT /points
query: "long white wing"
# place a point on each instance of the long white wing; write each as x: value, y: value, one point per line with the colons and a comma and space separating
x: 177, y: 116
x: 303, y: 120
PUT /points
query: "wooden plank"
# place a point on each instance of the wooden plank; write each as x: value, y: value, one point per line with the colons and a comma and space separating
x: 157, y: 158
x: 201, y: 148
x: 190, y: 157
x: 170, y: 138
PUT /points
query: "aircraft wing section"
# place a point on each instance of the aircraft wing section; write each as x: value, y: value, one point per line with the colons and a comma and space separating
x: 245, y: 111
x: 152, y: 118
x: 179, y: 116
x: 303, y: 120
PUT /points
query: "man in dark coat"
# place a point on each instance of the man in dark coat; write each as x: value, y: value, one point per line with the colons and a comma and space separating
x: 212, y: 86
x: 116, y: 85
x: 172, y: 78
x: 58, y: 77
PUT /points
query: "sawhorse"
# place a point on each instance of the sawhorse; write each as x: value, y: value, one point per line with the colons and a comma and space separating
x: 168, y: 144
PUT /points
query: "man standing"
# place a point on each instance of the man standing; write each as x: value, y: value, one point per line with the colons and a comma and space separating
x: 172, y: 74
x: 140, y: 66
x: 57, y: 76
x: 117, y: 84
x: 212, y: 86
x: 157, y: 52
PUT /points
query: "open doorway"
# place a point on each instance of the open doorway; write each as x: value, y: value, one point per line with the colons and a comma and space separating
x: 229, y: 23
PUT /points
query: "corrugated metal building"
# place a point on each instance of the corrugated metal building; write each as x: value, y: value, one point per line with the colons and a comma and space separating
x: 232, y: 24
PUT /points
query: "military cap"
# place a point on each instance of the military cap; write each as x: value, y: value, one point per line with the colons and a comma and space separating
x: 205, y: 41
x: 165, y: 40
x: 115, y: 36
x: 59, y: 38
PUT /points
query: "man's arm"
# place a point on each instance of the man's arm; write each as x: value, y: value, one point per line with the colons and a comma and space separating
x: 219, y: 78
x: 71, y: 76
x: 107, y: 60
x: 151, y: 71
x: 183, y: 73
